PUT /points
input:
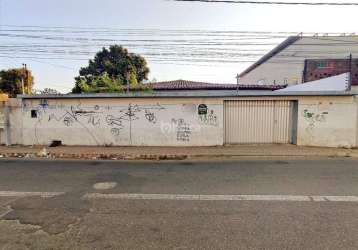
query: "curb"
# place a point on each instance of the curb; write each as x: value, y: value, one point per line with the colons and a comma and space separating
x: 113, y: 157
x: 152, y: 157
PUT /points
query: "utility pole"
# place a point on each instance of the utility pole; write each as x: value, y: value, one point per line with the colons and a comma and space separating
x: 350, y: 79
x: 26, y: 86
x: 23, y: 78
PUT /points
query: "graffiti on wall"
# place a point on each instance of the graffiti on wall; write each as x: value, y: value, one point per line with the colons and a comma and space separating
x: 150, y: 116
x: 183, y: 130
x: 110, y: 124
x: 313, y: 118
x: 115, y: 118
x: 130, y: 114
x: 209, y: 119
x: 206, y: 116
x: 75, y: 114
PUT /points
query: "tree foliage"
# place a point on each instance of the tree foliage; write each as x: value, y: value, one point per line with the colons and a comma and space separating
x: 100, y: 84
x: 11, y: 81
x: 110, y: 71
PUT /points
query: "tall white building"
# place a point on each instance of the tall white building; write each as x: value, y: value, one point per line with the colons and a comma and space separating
x: 304, y: 58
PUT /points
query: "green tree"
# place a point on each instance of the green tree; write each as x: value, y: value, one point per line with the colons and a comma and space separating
x: 99, y: 84
x: 110, y: 71
x: 11, y: 81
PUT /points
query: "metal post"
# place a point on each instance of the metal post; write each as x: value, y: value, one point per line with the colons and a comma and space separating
x: 22, y: 79
x: 22, y: 86
x: 26, y: 85
x: 237, y: 83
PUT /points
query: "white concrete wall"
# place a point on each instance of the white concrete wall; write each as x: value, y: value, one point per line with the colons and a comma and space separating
x: 328, y: 122
x: 15, y: 121
x: 128, y: 122
x: 287, y: 66
x: 322, y: 121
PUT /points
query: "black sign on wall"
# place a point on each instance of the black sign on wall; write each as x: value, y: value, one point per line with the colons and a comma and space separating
x: 203, y: 109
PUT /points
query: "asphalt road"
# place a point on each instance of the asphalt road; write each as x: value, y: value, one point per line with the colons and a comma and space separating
x: 280, y: 204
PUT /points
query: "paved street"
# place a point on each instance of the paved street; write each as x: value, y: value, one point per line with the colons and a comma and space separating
x: 241, y: 204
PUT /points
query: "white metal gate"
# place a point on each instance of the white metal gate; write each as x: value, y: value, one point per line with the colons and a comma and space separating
x: 258, y: 122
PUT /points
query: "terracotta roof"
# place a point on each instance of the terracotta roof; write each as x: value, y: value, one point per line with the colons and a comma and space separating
x: 191, y: 85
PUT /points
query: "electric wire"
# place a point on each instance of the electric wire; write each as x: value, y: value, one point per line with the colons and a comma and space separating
x: 273, y: 2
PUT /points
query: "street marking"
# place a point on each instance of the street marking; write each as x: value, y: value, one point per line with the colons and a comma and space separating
x: 297, y: 198
x: 29, y: 194
x: 184, y: 197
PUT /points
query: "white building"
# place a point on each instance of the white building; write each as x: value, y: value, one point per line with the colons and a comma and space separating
x: 285, y: 64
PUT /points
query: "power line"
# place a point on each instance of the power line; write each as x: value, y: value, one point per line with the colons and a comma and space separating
x: 179, y: 47
x: 271, y: 2
x: 128, y: 32
x: 39, y: 58
x: 107, y: 29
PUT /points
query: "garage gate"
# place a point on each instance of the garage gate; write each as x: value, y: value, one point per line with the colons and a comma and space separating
x: 268, y: 121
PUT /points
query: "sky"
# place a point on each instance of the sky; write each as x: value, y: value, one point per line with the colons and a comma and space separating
x: 209, y: 42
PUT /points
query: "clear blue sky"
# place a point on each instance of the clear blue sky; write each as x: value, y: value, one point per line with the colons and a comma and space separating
x: 59, y: 71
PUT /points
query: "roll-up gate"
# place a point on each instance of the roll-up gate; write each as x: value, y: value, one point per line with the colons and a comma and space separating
x: 267, y: 121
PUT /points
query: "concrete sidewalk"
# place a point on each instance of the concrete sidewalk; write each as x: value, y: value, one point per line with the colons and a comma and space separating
x: 172, y: 153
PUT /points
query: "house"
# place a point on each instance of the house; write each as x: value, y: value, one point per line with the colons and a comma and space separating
x: 305, y: 58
